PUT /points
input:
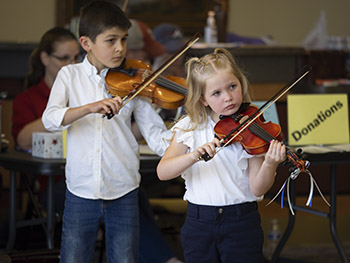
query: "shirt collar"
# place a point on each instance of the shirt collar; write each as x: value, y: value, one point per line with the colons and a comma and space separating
x: 91, y: 69
x: 88, y: 67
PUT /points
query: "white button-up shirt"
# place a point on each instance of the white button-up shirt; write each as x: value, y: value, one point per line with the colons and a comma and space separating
x: 102, y: 154
x: 223, y: 180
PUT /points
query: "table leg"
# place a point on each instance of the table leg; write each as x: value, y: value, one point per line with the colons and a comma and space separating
x: 289, y: 227
x: 332, y: 214
x: 50, y: 214
x: 12, y: 215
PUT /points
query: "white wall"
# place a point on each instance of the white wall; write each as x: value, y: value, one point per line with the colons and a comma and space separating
x: 288, y: 21
x: 25, y: 20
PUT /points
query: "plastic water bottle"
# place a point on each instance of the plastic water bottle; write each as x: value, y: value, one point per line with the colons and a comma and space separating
x: 273, y: 238
x: 210, y: 31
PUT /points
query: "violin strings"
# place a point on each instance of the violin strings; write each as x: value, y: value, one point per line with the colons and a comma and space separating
x: 171, y: 85
x: 261, y: 132
x: 239, y: 130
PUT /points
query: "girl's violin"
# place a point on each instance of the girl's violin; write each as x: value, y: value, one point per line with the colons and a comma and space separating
x: 256, y: 138
x: 167, y: 92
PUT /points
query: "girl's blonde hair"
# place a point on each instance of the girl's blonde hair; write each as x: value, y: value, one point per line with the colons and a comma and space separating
x: 201, y: 69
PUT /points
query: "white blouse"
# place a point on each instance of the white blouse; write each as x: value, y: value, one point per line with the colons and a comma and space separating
x: 223, y: 180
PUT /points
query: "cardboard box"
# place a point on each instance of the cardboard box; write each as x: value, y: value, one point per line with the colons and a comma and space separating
x: 47, y: 145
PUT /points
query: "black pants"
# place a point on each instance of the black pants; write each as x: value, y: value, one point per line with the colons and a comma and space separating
x: 222, y: 234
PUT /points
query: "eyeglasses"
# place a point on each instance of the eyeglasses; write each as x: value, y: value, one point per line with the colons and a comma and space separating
x: 68, y: 59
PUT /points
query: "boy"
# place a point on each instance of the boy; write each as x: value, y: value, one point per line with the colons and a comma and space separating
x: 102, y: 155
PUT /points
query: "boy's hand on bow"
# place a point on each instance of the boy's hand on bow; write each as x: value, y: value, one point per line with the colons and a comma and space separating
x: 109, y: 106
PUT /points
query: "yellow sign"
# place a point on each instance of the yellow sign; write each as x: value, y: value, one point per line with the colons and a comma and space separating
x: 64, y: 141
x: 318, y: 119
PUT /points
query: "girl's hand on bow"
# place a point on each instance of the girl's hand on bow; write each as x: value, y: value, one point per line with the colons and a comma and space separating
x: 209, y: 148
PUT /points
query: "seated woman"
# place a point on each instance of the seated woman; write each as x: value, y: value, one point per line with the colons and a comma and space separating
x: 58, y: 47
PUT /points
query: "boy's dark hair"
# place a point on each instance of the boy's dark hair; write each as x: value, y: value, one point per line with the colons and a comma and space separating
x: 98, y: 16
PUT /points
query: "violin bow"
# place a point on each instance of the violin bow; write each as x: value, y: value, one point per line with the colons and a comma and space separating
x: 245, y: 124
x: 126, y: 99
x: 125, y: 5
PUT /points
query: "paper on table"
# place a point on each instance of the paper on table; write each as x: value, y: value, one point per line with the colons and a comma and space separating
x: 144, y: 149
x: 325, y: 148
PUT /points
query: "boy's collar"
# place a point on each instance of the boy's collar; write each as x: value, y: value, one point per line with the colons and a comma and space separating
x: 90, y: 69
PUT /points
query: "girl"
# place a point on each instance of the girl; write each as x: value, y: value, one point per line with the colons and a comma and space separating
x: 222, y: 222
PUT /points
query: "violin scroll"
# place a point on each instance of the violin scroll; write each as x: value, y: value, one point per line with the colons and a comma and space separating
x: 299, y: 164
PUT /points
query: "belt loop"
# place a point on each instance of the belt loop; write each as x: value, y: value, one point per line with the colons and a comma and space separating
x: 197, y: 211
x: 194, y: 210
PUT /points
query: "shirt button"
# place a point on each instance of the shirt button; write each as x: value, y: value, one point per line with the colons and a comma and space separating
x: 220, y: 210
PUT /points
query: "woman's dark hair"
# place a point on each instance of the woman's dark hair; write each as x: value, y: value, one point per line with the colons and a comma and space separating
x: 47, y: 44
x: 98, y: 16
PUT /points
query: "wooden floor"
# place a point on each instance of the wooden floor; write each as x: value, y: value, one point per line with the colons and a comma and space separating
x: 319, y: 253
x: 310, y: 241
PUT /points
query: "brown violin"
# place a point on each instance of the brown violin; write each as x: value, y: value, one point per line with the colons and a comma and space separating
x: 256, y: 138
x: 167, y: 92
x: 139, y: 82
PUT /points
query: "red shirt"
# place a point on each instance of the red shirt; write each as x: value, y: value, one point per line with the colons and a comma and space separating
x: 28, y: 106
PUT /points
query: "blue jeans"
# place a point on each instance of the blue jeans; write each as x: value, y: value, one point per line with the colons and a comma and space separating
x: 81, y: 221
x: 222, y: 234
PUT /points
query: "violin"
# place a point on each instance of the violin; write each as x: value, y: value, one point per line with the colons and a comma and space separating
x: 256, y: 138
x: 136, y: 88
x: 167, y: 92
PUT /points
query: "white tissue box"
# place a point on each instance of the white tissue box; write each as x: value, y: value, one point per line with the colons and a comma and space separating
x: 47, y: 145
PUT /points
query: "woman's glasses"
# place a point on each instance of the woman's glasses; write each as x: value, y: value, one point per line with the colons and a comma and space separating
x: 68, y: 59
